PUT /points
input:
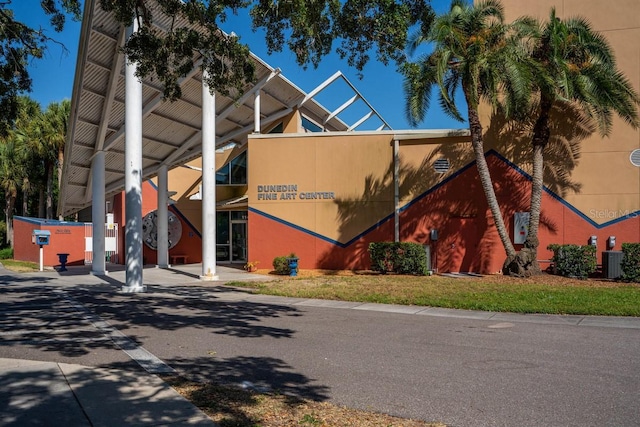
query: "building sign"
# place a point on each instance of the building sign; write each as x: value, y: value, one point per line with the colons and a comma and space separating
x: 290, y: 192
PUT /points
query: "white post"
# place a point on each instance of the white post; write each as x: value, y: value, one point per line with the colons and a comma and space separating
x: 396, y: 190
x: 163, y: 218
x: 133, y: 176
x: 256, y: 112
x: 98, y: 264
x: 208, y: 182
x: 41, y: 258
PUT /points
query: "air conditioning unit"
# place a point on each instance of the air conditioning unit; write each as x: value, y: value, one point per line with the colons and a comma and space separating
x: 611, y: 264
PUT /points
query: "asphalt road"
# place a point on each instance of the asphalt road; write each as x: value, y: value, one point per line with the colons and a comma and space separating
x: 460, y: 371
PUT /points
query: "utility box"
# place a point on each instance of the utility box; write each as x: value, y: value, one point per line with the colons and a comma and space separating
x: 41, y: 237
x: 427, y: 250
x: 611, y: 264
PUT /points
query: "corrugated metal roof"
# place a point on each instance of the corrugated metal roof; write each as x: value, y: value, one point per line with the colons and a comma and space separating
x: 171, y: 131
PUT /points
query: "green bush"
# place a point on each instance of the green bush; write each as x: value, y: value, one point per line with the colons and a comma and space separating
x: 3, y: 234
x: 573, y: 260
x: 281, y: 265
x: 398, y: 257
x: 6, y: 253
x: 630, y: 262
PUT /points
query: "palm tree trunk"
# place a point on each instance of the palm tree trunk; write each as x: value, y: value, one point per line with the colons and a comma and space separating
x: 49, y: 190
x: 59, y: 166
x: 9, y: 203
x: 485, y: 178
x: 525, y: 263
x: 541, y: 134
x: 41, y: 203
x: 26, y: 185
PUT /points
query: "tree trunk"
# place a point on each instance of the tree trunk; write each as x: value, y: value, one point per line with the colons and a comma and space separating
x: 25, y: 196
x: 49, y: 190
x: 59, y: 166
x: 41, y: 203
x: 485, y: 178
x: 9, y: 203
x: 525, y: 263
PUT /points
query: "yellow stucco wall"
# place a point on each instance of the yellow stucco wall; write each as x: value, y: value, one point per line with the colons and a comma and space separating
x: 356, y: 169
x: 592, y: 173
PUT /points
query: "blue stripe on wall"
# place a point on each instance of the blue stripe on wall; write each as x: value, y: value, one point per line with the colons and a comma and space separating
x: 52, y: 222
x: 460, y: 171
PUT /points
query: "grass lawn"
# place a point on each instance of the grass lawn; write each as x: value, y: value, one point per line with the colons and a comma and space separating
x: 20, y: 266
x: 542, y: 294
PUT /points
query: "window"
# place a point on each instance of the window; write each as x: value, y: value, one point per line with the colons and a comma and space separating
x: 309, y: 126
x: 234, y: 172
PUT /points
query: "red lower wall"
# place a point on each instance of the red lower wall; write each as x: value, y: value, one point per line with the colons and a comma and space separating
x: 468, y: 240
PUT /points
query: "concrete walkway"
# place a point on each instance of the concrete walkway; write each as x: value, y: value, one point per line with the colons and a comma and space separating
x: 36, y: 393
x: 56, y: 394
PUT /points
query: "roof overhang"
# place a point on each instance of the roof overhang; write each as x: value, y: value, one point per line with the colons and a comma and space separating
x: 171, y: 131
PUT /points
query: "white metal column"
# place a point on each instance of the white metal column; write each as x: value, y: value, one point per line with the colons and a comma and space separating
x: 98, y: 262
x: 133, y: 176
x: 163, y: 218
x: 256, y: 112
x: 396, y: 191
x: 208, y: 182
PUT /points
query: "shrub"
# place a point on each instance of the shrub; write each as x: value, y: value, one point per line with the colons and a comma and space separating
x: 398, y: 257
x: 630, y: 262
x: 3, y: 234
x: 573, y: 260
x: 6, y: 253
x: 281, y: 265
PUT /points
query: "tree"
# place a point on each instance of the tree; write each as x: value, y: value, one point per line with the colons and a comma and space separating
x: 473, y: 50
x: 575, y: 68
x: 54, y: 125
x: 10, y: 177
x: 19, y: 44
x: 17, y: 157
x: 307, y: 28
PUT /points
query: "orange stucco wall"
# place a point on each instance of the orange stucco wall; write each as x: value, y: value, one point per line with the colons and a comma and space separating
x: 66, y: 237
x: 190, y: 243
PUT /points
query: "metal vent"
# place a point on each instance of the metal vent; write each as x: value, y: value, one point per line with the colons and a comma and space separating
x: 635, y: 157
x: 442, y: 165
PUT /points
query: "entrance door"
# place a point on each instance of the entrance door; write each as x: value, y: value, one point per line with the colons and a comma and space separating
x: 239, y: 241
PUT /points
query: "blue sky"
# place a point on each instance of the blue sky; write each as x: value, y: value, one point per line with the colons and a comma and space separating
x: 382, y: 86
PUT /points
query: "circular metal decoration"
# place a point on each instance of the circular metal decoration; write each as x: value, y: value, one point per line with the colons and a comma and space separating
x: 635, y: 157
x: 150, y: 229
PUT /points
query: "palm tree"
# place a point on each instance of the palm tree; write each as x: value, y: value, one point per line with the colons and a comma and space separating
x: 54, y: 126
x: 10, y: 177
x: 575, y: 68
x: 473, y: 50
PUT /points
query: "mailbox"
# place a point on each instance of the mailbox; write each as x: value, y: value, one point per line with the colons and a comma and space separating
x: 40, y: 237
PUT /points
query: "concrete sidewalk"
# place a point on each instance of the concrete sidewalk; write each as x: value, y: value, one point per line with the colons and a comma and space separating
x: 57, y: 394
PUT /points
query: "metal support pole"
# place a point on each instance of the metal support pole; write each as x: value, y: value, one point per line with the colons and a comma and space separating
x: 98, y: 263
x: 133, y: 176
x: 163, y: 218
x: 41, y: 258
x: 396, y: 190
x: 208, y: 183
x: 256, y: 112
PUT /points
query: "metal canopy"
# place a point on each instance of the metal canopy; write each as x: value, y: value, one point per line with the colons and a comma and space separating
x: 171, y: 131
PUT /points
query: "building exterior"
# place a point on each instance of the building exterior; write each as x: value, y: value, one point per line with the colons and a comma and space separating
x: 326, y: 195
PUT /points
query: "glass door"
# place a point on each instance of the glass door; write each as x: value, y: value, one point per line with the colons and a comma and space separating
x: 239, y: 241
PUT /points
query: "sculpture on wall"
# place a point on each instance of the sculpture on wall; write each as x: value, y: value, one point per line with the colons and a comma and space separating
x: 150, y: 229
